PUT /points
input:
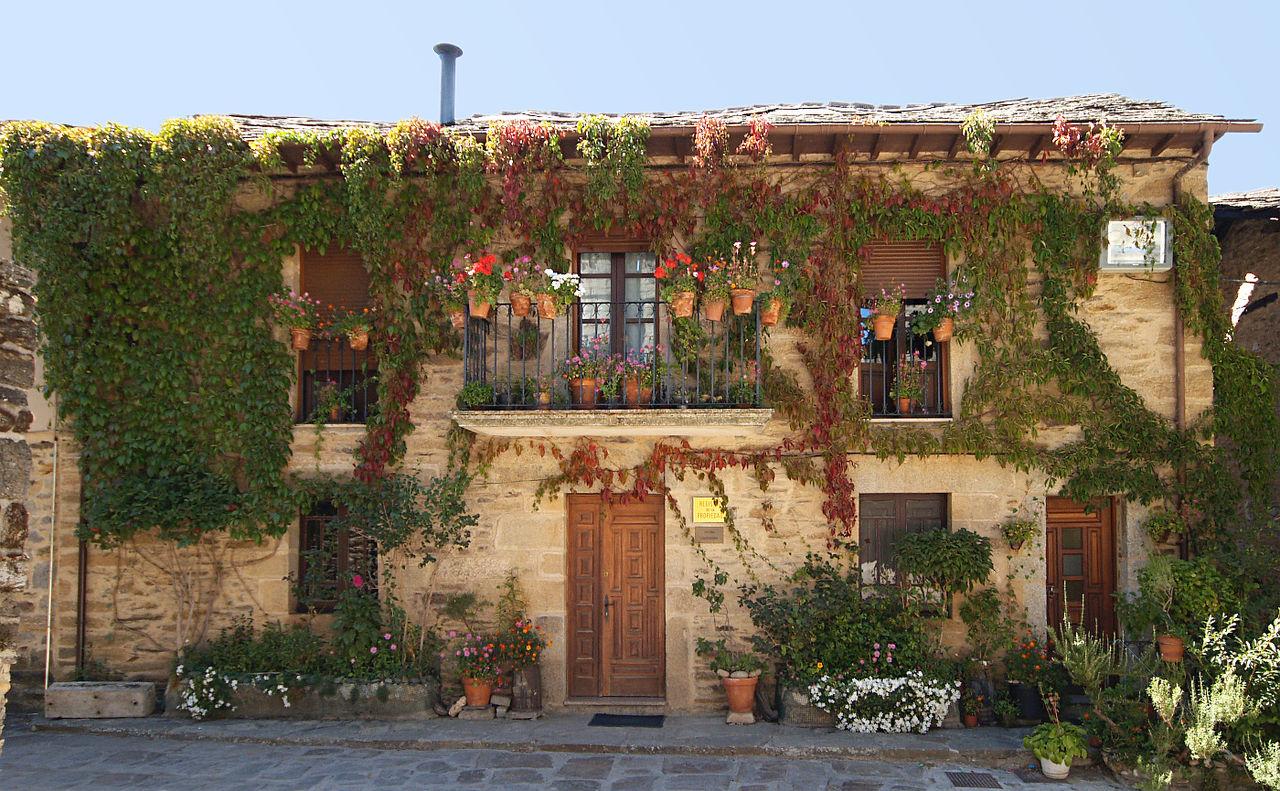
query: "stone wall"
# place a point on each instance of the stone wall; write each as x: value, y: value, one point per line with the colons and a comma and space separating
x: 132, y: 622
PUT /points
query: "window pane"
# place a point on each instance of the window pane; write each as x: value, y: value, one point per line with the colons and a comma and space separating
x: 640, y: 289
x: 1073, y: 565
x: 1075, y: 591
x: 596, y: 290
x: 642, y: 263
x: 595, y: 264
x: 1072, y: 537
x: 638, y: 336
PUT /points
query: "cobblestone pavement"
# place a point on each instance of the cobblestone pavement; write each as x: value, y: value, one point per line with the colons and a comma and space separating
x: 37, y: 760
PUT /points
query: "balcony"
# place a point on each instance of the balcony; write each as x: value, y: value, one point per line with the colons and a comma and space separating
x: 690, y: 377
x: 882, y: 361
x: 336, y: 384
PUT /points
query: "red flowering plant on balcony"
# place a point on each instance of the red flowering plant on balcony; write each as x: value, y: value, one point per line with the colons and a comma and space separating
x: 483, y: 281
x: 679, y: 275
x: 451, y: 288
x: 524, y: 277
x: 294, y: 310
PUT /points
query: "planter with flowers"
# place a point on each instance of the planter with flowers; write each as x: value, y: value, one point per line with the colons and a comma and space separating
x: 586, y: 370
x: 522, y: 280
x: 680, y: 277
x: 739, y: 673
x: 885, y: 309
x: 556, y: 291
x: 479, y: 665
x: 520, y: 647
x: 355, y: 326
x: 775, y: 302
x: 743, y: 278
x: 908, y: 383
x: 949, y: 300
x: 715, y: 289
x: 483, y: 284
x: 451, y: 289
x: 1057, y: 743
x: 1019, y: 531
x: 300, y: 313
x: 642, y: 370
x: 970, y: 707
x: 1031, y: 668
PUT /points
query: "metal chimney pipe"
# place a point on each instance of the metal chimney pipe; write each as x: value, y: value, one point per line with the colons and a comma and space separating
x: 449, y: 55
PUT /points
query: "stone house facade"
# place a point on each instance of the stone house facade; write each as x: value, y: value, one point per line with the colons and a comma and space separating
x: 131, y: 608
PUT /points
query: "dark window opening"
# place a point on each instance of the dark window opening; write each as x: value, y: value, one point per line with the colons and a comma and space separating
x: 337, y: 384
x: 330, y: 557
x: 619, y: 300
x: 883, y: 519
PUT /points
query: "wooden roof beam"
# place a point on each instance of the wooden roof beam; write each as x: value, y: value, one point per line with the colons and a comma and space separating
x: 997, y: 141
x: 914, y: 150
x: 875, y: 147
x: 795, y: 147
x: 954, y: 147
x: 1037, y: 146
x: 1162, y: 144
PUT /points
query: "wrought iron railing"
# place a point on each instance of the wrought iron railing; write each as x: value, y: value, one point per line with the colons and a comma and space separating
x: 336, y: 384
x: 516, y: 362
x: 882, y: 360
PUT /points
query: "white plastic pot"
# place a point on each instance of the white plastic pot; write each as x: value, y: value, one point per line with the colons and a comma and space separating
x: 1054, y: 771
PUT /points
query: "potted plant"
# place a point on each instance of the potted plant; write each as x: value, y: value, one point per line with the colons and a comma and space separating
x: 584, y: 370
x: 949, y: 300
x: 742, y: 391
x: 355, y: 326
x: 331, y: 400
x: 970, y: 705
x: 544, y: 392
x: 299, y: 312
x: 641, y: 370
x: 715, y: 290
x: 520, y: 647
x: 483, y: 284
x: 1029, y: 668
x: 1019, y: 531
x: 521, y: 280
x: 1164, y: 527
x: 1175, y: 598
x: 479, y: 666
x: 743, y: 278
x: 1057, y: 743
x: 1006, y: 712
x: 884, y: 311
x: 613, y: 373
x: 476, y: 395
x: 775, y: 303
x: 908, y: 382
x: 556, y: 291
x: 452, y: 291
x: 680, y: 278
x: 739, y: 673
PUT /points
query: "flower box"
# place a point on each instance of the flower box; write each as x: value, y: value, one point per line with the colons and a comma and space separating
x: 348, y: 700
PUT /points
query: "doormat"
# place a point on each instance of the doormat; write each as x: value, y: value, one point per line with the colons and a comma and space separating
x: 628, y: 720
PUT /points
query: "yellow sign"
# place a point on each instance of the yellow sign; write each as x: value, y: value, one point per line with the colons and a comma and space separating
x: 707, y: 511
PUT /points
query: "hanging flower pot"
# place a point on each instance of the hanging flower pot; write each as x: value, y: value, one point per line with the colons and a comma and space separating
x: 358, y: 340
x: 300, y: 338
x: 942, y: 333
x: 742, y: 300
x: 904, y: 406
x: 883, y: 326
x: 682, y: 304
x: 478, y: 691
x: 771, y: 313
x: 457, y: 318
x: 1171, y: 648
x: 520, y: 304
x: 479, y: 309
x: 547, y: 307
x: 583, y: 392
x: 713, y: 309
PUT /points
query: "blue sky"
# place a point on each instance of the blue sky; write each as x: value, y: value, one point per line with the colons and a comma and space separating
x: 139, y: 63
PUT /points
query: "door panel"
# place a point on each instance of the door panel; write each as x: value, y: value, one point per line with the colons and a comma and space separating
x: 1080, y: 564
x: 618, y: 590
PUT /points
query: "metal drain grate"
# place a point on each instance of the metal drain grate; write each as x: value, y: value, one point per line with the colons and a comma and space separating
x: 973, y: 780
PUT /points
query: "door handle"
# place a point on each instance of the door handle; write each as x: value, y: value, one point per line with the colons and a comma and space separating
x: 606, y: 605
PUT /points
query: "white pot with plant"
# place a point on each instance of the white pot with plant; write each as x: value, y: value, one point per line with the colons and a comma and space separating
x: 1056, y: 743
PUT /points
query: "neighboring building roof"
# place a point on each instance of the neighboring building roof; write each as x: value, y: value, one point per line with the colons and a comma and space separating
x: 1261, y: 203
x: 1115, y: 109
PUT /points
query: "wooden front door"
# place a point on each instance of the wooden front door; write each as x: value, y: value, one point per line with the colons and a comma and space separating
x: 1080, y: 558
x: 617, y: 616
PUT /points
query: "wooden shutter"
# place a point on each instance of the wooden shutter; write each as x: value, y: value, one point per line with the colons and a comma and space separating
x: 340, y: 554
x: 336, y: 278
x: 883, y: 519
x: 916, y: 265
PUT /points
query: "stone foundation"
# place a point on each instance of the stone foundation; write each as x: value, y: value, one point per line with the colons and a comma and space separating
x: 349, y: 701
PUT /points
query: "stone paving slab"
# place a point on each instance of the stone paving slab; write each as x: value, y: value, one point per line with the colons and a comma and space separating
x: 693, y: 735
x: 55, y: 758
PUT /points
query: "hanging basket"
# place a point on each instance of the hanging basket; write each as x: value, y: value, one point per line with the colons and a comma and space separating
x: 358, y: 340
x: 883, y: 326
x: 942, y: 333
x: 458, y: 318
x: 771, y: 313
x: 547, y: 307
x: 479, y: 309
x: 682, y: 304
x: 743, y: 298
x: 713, y: 310
x: 300, y: 338
x: 520, y: 304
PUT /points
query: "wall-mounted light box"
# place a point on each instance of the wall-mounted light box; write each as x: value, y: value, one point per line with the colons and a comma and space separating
x: 1137, y: 244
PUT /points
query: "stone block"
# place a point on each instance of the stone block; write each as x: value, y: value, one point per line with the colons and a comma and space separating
x: 476, y: 713
x: 97, y: 699
x: 798, y: 710
x: 344, y: 701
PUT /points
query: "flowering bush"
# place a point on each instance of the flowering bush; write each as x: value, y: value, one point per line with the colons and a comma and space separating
x: 889, y: 704
x: 678, y: 275
x: 521, y: 645
x: 715, y: 280
x: 909, y: 382
x: 523, y: 276
x: 477, y: 657
x: 481, y: 278
x: 204, y: 692
x: 591, y: 362
x: 350, y: 322
x: 950, y: 299
x: 294, y: 310
x: 1030, y: 660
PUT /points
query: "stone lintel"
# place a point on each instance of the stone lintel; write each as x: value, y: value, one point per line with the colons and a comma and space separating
x: 727, y: 422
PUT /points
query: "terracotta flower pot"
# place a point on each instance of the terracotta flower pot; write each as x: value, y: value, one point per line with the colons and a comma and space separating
x: 458, y: 318
x: 583, y: 392
x: 477, y: 691
x: 741, y: 693
x: 300, y: 338
x: 646, y: 395
x: 544, y: 399
x: 682, y: 304
x: 883, y: 326
x: 970, y: 720
x: 904, y: 406
x: 479, y: 309
x: 742, y: 300
x: 1171, y: 648
x: 713, y: 310
x: 547, y: 307
x: 942, y: 333
x: 771, y: 313
x: 631, y: 391
x: 358, y: 340
x: 520, y: 304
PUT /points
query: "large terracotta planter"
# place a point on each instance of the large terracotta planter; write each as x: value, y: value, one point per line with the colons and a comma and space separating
x: 742, y: 300
x: 299, y: 338
x: 520, y: 304
x: 547, y: 307
x: 682, y: 304
x: 942, y: 333
x: 631, y: 391
x: 479, y: 308
x: 713, y: 310
x: 458, y: 318
x: 583, y: 392
x: 358, y: 340
x: 970, y: 720
x: 741, y: 693
x: 477, y: 691
x: 1172, y: 648
x: 904, y: 406
x: 883, y: 326
x: 771, y: 313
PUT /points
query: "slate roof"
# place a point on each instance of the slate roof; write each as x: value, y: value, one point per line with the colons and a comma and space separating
x: 1114, y: 108
x: 1261, y: 202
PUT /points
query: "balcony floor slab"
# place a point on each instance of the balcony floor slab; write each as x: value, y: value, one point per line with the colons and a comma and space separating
x: 615, y: 422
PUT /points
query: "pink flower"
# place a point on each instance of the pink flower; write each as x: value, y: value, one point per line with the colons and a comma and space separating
x: 373, y: 649
x: 393, y: 647
x: 893, y: 647
x: 876, y: 646
x: 357, y: 582
x: 889, y: 660
x: 386, y: 636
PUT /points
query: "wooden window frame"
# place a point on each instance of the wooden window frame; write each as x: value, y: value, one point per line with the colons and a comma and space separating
x: 903, y: 338
x: 617, y: 278
x: 316, y: 520
x: 901, y: 528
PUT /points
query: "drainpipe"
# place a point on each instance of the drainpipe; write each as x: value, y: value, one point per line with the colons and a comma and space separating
x: 1179, y: 339
x: 449, y: 55
x: 82, y: 579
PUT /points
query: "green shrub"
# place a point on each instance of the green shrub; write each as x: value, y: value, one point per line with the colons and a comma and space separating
x: 946, y: 561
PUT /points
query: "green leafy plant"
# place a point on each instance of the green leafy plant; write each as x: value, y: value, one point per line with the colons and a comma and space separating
x: 720, y: 657
x: 946, y: 561
x: 1177, y: 597
x: 475, y: 395
x: 992, y: 619
x: 1017, y: 532
x: 1163, y: 526
x: 1060, y: 742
